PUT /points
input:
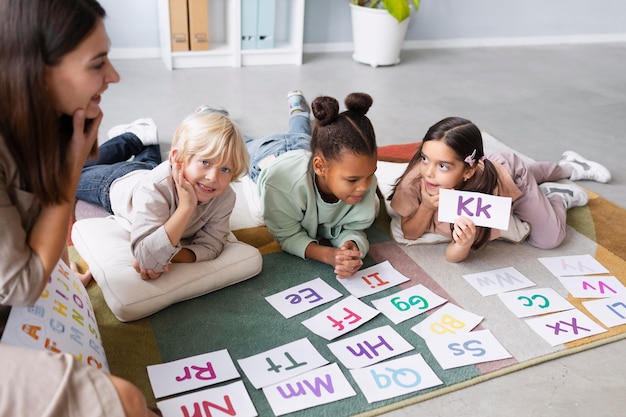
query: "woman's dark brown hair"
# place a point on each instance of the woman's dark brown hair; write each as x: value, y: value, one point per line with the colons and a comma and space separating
x: 35, y: 34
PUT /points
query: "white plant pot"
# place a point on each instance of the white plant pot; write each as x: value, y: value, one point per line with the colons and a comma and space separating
x: 377, y: 36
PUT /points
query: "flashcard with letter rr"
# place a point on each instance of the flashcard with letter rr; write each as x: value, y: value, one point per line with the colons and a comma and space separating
x: 373, y: 279
x: 483, y: 209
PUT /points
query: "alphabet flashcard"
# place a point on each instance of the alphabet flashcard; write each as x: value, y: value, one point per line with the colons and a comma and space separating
x: 447, y: 320
x: 303, y: 297
x: 610, y: 311
x: 281, y: 363
x: 561, y: 266
x: 319, y: 386
x: 593, y: 286
x: 395, y: 377
x: 408, y: 303
x: 498, y: 280
x: 373, y: 279
x: 190, y: 373
x: 343, y: 317
x: 534, y: 302
x: 466, y: 349
x: 369, y: 347
x: 232, y: 400
x: 62, y: 320
x: 563, y: 327
x: 483, y: 209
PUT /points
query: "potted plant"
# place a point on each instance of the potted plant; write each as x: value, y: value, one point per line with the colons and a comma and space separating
x: 378, y: 29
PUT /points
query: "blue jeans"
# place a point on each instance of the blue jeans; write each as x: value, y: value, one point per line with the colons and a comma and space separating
x: 112, y: 163
x: 298, y: 137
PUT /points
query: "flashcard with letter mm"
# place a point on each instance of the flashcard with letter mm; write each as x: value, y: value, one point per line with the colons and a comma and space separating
x: 373, y: 279
x: 483, y: 209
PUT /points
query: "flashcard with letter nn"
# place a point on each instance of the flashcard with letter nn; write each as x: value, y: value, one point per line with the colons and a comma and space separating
x: 373, y: 279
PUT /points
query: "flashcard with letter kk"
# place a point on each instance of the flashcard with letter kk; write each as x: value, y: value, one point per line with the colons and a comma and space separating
x: 483, y: 209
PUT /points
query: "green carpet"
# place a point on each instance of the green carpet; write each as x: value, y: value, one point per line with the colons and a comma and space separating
x: 239, y: 319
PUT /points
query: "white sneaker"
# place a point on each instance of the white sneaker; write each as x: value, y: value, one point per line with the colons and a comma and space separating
x: 144, y: 129
x: 584, y: 169
x: 572, y: 195
x: 210, y: 109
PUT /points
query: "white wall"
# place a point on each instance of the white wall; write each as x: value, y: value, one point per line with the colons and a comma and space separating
x: 133, y: 25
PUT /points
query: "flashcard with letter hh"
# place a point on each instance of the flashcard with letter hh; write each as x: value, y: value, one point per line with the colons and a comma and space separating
x: 62, y: 320
x: 448, y: 320
x: 303, y: 297
x: 483, y: 209
x: 281, y: 363
x: 395, y: 377
x: 343, y: 317
x: 191, y: 373
x: 319, y: 386
x: 408, y: 303
x: 593, y: 286
x: 231, y: 399
x: 562, y: 266
x: 370, y: 347
x: 563, y: 327
x: 534, y: 302
x: 466, y: 349
x: 610, y: 311
x: 498, y: 280
x: 373, y: 279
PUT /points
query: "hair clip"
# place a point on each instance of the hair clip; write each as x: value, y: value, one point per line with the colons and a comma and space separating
x: 470, y: 158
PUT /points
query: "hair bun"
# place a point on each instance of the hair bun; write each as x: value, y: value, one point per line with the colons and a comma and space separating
x: 358, y: 103
x: 325, y: 109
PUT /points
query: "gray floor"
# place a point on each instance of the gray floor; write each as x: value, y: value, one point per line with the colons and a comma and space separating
x: 539, y: 100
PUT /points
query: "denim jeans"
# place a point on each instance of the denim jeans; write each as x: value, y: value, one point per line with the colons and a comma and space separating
x: 298, y: 137
x: 112, y: 163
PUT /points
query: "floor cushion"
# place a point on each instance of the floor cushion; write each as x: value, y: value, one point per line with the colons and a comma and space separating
x: 105, y: 247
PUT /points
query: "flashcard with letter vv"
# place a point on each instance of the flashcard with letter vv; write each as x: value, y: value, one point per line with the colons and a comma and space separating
x: 534, y: 302
x: 319, y: 386
x: 466, y: 349
x: 395, y: 377
x: 231, y: 400
x: 408, y: 303
x: 593, y: 286
x: 483, y: 209
x: 498, y: 280
x: 563, y: 327
x: 191, y: 373
x: 303, y: 297
x: 343, y: 317
x: 562, y: 266
x: 373, y: 279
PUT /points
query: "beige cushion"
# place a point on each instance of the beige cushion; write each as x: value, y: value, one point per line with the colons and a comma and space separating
x: 105, y: 246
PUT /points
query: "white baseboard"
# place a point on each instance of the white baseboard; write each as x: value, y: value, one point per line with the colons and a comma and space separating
x: 479, y: 42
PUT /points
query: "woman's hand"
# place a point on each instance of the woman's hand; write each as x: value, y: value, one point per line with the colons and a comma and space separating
x: 83, y: 143
x: 347, y: 260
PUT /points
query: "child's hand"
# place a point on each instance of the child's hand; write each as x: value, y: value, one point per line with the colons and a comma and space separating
x: 186, y: 194
x: 347, y: 260
x: 464, y: 232
x: 431, y: 202
x: 149, y: 273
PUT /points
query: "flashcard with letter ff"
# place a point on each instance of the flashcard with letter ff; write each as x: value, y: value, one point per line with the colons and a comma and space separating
x: 373, y: 279
x: 343, y: 317
x: 483, y: 209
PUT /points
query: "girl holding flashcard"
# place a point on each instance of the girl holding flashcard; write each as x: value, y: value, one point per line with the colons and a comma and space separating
x: 452, y: 156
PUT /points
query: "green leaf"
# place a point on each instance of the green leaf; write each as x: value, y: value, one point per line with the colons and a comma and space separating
x: 398, y: 8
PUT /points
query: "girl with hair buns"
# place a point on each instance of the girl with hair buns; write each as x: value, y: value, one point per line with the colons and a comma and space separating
x: 317, y: 190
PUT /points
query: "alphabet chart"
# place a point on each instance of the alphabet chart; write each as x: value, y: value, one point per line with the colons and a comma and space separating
x: 62, y: 320
x: 373, y: 279
x: 483, y: 209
